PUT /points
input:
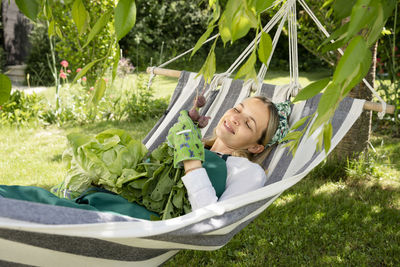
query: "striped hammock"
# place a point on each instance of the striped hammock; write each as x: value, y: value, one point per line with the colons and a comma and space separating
x: 45, y: 235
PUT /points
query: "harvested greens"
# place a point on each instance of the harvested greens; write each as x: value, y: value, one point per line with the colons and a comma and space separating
x: 114, y: 161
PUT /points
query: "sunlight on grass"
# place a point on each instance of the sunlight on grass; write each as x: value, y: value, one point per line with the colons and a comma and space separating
x: 329, y: 188
x: 286, y: 199
x: 32, y: 156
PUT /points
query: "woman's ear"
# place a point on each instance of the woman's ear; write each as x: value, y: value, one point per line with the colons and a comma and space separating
x: 256, y: 149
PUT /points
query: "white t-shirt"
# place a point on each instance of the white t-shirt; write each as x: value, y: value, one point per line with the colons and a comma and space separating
x: 242, y: 176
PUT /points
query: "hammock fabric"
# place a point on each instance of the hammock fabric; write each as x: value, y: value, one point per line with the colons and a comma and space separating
x: 45, y: 235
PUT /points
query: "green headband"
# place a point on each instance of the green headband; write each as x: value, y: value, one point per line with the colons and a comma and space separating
x: 283, y: 126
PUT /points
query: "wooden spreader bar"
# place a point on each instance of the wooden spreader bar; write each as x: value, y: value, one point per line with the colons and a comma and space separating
x: 176, y: 73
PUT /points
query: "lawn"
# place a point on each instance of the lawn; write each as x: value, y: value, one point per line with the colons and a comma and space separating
x: 339, y: 215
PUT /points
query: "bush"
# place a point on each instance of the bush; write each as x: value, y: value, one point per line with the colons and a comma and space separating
x: 170, y: 26
x: 22, y: 109
x: 70, y: 46
x: 118, y: 104
x: 39, y: 57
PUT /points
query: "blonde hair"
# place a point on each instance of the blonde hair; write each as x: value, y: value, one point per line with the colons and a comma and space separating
x: 266, y: 135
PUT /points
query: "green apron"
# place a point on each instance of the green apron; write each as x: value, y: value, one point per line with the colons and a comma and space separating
x: 98, y: 199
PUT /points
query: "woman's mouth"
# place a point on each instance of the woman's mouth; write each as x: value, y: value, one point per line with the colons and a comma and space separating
x: 228, y: 128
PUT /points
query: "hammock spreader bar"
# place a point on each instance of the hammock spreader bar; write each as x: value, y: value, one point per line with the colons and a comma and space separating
x: 368, y: 105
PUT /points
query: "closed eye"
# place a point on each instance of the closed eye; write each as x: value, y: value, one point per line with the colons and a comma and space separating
x: 247, y: 123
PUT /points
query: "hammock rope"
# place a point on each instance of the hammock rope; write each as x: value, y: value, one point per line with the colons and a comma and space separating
x: 287, y: 11
x: 382, y: 113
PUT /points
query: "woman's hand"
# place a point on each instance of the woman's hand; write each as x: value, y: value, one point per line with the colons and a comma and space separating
x: 185, y: 138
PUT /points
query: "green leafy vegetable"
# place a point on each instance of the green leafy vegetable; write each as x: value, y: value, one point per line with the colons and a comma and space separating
x: 114, y: 161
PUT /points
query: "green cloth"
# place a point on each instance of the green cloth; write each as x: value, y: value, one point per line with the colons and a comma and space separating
x: 98, y: 199
x: 185, y: 138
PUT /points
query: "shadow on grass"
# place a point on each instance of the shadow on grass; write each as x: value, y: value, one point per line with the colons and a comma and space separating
x: 318, y: 222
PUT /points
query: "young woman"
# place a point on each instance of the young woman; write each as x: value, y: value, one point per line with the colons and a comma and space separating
x: 246, y: 133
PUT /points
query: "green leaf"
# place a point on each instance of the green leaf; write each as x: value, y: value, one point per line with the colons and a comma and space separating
x: 326, y: 106
x: 339, y: 33
x: 361, y: 14
x: 116, y: 62
x: 377, y: 26
x: 202, y: 39
x: 326, y: 4
x: 80, y: 16
x: 58, y: 32
x: 327, y: 137
x: 241, y: 25
x: 100, y: 24
x: 292, y: 136
x: 329, y: 99
x: 342, y: 8
x: 311, y: 90
x: 208, y: 68
x: 51, y: 29
x: 125, y: 17
x: 265, y: 48
x: 29, y: 8
x: 85, y: 69
x: 5, y: 88
x: 351, y: 58
x: 227, y: 19
x: 248, y: 67
x: 320, y: 139
x: 262, y: 5
x: 100, y: 88
x: 299, y: 123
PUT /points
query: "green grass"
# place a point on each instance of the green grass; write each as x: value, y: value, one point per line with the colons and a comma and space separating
x: 341, y: 214
x: 33, y: 156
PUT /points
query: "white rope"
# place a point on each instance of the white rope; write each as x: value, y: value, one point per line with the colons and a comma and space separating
x: 152, y: 75
x: 264, y: 68
x: 325, y: 32
x: 274, y: 20
x: 294, y: 68
x: 248, y: 50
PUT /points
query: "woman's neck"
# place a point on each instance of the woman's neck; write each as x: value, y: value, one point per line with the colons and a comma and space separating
x: 220, y: 147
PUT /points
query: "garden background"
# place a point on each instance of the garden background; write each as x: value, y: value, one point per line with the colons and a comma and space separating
x: 343, y: 213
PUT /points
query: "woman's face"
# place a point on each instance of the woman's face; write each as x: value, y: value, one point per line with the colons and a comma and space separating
x: 242, y: 126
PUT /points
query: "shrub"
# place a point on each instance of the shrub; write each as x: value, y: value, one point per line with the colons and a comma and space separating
x: 70, y: 46
x: 171, y: 26
x: 22, y: 109
x: 39, y: 57
x: 141, y: 104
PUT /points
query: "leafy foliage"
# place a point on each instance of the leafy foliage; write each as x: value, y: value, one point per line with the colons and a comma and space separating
x: 73, y: 28
x: 366, y: 19
x: 116, y: 162
x: 37, y: 64
x: 388, y: 67
x: 162, y: 30
x: 22, y: 109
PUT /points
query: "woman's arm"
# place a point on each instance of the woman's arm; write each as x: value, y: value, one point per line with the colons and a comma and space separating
x: 200, y: 190
x: 243, y: 176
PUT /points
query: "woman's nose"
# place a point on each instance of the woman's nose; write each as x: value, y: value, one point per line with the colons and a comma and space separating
x: 236, y: 119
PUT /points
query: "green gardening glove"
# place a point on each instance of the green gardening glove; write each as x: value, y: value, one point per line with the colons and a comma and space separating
x: 185, y: 138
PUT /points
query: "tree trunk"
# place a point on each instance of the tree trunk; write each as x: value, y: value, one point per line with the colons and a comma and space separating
x: 356, y: 140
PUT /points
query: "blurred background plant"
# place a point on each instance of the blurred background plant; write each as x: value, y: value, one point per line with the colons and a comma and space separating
x: 388, y: 74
